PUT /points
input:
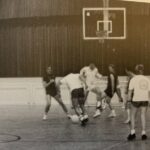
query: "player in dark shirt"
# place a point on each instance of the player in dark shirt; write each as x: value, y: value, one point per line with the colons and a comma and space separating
x: 52, y: 91
x: 112, y: 84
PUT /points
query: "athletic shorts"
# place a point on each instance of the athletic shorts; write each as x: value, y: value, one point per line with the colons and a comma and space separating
x: 140, y: 104
x: 77, y: 93
x: 109, y: 94
x: 52, y: 93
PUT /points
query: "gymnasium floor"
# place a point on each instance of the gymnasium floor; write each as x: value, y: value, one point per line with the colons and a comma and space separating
x: 24, y: 124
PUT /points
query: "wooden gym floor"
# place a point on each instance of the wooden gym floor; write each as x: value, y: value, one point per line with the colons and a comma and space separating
x: 22, y: 128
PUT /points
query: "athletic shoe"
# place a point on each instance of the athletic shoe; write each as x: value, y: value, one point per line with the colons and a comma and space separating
x: 112, y: 114
x: 131, y: 137
x: 83, y: 122
x: 127, y: 121
x: 68, y: 116
x: 121, y: 100
x: 104, y: 105
x: 123, y: 107
x: 86, y: 118
x: 45, y: 117
x: 97, y: 113
x: 144, y: 137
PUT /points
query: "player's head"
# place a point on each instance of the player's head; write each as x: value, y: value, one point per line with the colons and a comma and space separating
x: 129, y: 71
x: 111, y: 68
x: 49, y: 70
x: 92, y: 66
x: 139, y: 69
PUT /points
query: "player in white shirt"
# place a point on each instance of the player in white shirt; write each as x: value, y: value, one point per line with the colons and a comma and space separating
x: 140, y: 88
x: 91, y: 75
x: 76, y: 88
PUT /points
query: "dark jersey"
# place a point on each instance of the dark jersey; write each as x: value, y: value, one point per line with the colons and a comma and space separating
x: 51, y: 88
x: 128, y: 82
x: 108, y: 90
x: 127, y: 90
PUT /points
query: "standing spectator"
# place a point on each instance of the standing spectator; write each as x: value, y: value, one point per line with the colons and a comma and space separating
x: 139, y: 87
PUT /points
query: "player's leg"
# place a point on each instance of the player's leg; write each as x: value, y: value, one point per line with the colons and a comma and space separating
x: 127, y: 108
x: 47, y: 107
x: 99, y: 96
x: 98, y: 107
x: 127, y: 121
x: 118, y: 92
x: 83, y: 116
x: 76, y: 106
x: 61, y: 103
x: 81, y: 100
x: 134, y: 108
x: 86, y: 94
x: 143, y: 121
x: 108, y: 101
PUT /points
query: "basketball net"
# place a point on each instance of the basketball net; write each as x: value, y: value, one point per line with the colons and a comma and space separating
x: 101, y: 36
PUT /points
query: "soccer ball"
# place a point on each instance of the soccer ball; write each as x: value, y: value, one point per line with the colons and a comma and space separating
x: 75, y: 119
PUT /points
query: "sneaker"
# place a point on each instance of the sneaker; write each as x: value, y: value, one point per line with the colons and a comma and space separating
x: 127, y: 121
x: 68, y: 116
x: 83, y: 122
x: 97, y: 113
x: 144, y: 137
x: 131, y: 137
x: 45, y: 117
x: 120, y: 100
x: 104, y: 104
x: 86, y: 118
x: 112, y: 114
x: 123, y: 107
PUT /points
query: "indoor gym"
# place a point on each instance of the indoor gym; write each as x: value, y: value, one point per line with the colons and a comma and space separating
x: 68, y: 35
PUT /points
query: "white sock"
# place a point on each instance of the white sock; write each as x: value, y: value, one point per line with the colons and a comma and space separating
x: 143, y: 132
x: 98, y: 104
x: 113, y: 111
x: 133, y: 131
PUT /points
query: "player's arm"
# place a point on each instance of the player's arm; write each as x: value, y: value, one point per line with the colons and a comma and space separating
x: 82, y: 71
x: 58, y: 86
x: 112, y: 83
x: 119, y: 91
x: 82, y: 78
x: 46, y: 84
x: 98, y: 75
x: 130, y: 90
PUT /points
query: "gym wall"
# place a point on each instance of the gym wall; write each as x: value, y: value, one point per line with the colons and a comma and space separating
x: 36, y: 33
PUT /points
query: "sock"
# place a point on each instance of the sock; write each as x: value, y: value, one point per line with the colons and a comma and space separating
x: 143, y: 132
x: 113, y: 111
x: 132, y: 131
x: 98, y: 105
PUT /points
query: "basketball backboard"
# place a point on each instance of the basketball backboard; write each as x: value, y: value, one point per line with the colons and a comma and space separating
x: 111, y: 21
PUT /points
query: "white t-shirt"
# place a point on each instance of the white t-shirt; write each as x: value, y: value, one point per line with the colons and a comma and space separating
x: 73, y: 81
x: 141, y: 87
x: 91, y: 75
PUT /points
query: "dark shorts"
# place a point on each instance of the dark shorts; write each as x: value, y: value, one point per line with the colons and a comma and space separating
x: 140, y: 104
x: 52, y: 92
x: 77, y: 93
x: 109, y: 94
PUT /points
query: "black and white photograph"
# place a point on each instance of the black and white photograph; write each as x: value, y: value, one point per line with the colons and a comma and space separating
x: 74, y: 74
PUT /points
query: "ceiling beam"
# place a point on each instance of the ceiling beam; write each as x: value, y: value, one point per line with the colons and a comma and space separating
x: 142, y: 1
